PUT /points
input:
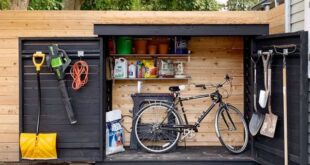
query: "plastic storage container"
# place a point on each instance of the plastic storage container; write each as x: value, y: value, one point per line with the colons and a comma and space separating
x: 124, y: 45
x: 120, y: 69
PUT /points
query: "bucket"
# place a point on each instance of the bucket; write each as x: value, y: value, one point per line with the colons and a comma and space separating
x: 124, y: 45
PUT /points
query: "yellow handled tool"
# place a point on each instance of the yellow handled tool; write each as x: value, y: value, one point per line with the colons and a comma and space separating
x: 38, y: 145
x: 38, y: 59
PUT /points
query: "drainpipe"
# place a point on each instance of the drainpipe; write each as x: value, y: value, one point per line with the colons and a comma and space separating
x: 287, y: 16
x: 307, y: 28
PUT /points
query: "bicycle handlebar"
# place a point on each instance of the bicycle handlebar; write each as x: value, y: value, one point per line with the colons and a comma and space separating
x: 227, y: 79
x: 201, y: 86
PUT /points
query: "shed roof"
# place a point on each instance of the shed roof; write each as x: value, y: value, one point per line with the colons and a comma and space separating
x: 145, y: 17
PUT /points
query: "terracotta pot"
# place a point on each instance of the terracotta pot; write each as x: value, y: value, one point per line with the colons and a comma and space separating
x: 161, y: 40
x: 163, y: 48
x: 153, y: 42
x: 140, y: 46
x: 152, y: 49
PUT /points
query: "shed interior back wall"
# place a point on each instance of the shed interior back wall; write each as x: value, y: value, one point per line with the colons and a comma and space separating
x: 211, y: 59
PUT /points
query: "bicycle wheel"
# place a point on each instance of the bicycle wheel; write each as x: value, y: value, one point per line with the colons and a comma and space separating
x: 151, y: 128
x: 231, y: 129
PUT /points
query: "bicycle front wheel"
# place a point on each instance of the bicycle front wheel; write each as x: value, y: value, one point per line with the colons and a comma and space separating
x: 154, y: 128
x: 231, y: 129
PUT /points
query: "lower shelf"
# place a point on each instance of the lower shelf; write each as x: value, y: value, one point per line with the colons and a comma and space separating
x: 146, y: 79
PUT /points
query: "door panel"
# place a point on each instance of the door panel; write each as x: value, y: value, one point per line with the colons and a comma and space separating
x: 83, y: 141
x: 268, y: 150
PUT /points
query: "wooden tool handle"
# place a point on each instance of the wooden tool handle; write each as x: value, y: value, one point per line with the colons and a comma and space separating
x: 269, y: 90
x: 285, y: 116
x: 255, y: 89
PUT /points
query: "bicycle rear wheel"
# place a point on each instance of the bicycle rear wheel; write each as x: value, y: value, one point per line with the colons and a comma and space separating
x: 150, y: 127
x: 231, y: 129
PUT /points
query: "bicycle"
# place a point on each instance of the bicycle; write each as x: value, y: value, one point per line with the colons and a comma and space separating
x: 158, y: 125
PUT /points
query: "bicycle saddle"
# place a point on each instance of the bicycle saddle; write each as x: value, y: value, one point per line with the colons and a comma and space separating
x: 174, y: 88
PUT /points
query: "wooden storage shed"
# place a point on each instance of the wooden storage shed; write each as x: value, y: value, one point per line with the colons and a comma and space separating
x: 221, y: 43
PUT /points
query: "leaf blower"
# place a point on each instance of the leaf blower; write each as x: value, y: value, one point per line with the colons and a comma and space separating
x: 58, y: 61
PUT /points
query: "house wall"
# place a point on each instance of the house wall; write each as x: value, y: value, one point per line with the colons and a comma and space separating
x: 297, y: 15
x: 14, y: 24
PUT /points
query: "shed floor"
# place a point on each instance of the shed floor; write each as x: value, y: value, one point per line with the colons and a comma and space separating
x: 182, y: 154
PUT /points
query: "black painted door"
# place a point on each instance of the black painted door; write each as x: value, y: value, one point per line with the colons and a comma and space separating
x: 270, y: 150
x: 83, y: 141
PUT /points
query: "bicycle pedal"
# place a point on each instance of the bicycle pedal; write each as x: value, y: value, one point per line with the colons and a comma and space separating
x: 191, y: 135
x: 188, y: 133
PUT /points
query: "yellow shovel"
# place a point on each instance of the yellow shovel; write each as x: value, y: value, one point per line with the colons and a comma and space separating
x: 38, y: 145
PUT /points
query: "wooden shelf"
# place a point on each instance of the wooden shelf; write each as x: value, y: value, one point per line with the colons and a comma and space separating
x: 151, y: 55
x: 146, y: 79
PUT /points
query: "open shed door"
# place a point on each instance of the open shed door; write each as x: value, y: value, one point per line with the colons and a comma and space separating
x: 83, y: 141
x: 270, y: 150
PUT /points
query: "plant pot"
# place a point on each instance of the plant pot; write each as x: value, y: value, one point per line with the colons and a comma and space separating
x: 163, y: 48
x: 152, y: 49
x: 140, y: 46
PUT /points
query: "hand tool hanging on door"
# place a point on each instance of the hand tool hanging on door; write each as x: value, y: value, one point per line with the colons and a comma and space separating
x: 270, y: 122
x: 38, y: 145
x: 257, y: 117
x: 58, y: 61
x: 263, y: 94
x: 285, y: 53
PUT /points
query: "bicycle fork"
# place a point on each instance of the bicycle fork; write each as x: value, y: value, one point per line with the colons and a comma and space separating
x: 230, y: 119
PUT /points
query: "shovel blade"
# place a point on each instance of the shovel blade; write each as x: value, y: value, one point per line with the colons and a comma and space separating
x: 256, y: 123
x: 269, y: 126
x: 41, y: 146
x: 263, y: 98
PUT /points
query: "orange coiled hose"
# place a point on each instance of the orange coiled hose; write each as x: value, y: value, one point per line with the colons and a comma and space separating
x: 79, y: 73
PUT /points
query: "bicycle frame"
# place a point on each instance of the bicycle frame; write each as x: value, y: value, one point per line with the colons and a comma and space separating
x: 216, y: 98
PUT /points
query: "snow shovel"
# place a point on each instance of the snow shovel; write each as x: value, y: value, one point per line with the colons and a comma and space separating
x: 270, y: 122
x: 263, y: 94
x: 38, y: 145
x: 257, y: 118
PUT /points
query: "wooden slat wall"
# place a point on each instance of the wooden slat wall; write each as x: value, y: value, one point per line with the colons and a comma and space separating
x: 212, y: 58
x: 276, y: 19
x: 14, y: 24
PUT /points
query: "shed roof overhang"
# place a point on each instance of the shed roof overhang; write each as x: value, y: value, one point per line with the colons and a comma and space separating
x: 181, y: 29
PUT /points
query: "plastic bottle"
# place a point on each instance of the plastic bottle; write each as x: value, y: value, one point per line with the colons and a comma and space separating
x: 139, y: 69
x: 132, y: 71
x: 120, y: 70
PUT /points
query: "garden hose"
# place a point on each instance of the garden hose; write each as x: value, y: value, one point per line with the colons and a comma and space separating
x: 79, y: 73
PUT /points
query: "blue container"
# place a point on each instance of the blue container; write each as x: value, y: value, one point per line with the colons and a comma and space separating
x: 181, y: 45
